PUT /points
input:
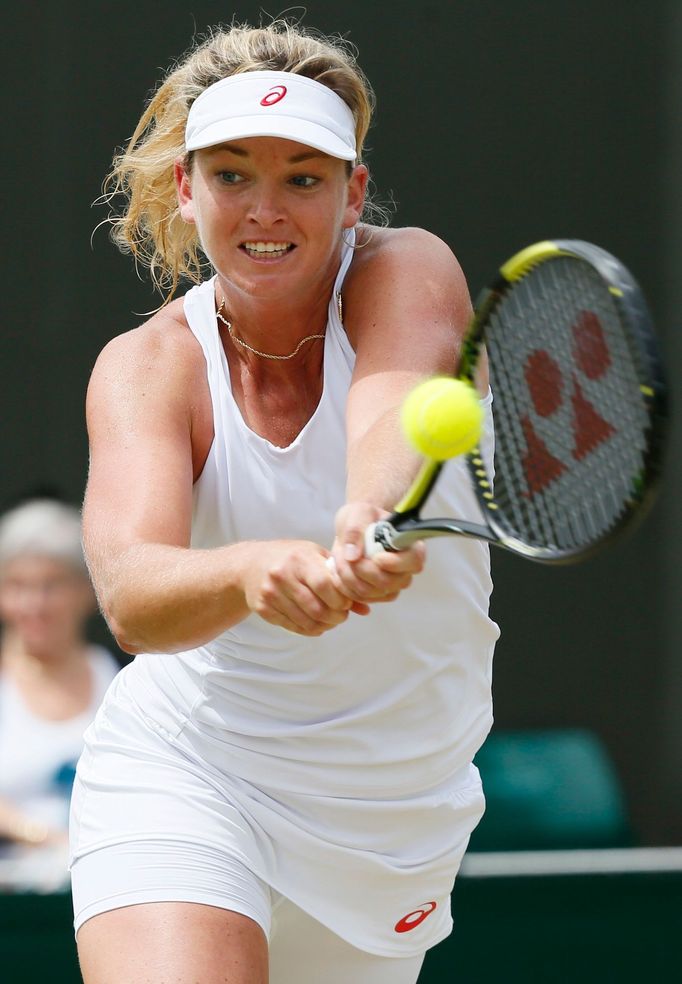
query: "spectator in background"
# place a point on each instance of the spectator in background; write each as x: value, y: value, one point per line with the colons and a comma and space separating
x: 51, y: 684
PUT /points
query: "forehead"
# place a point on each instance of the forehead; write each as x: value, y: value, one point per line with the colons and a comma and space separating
x: 264, y: 148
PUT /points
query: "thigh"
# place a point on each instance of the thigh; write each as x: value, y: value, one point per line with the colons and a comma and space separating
x: 303, y: 951
x: 172, y: 943
x: 135, y: 873
x: 170, y: 912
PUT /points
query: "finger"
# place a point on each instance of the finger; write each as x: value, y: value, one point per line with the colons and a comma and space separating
x: 352, y: 542
x: 329, y: 588
x: 410, y: 561
x: 294, y: 618
x: 377, y: 586
x: 303, y: 605
x: 357, y: 607
x: 294, y: 606
x: 388, y: 597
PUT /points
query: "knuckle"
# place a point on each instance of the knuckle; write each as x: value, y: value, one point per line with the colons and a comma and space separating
x: 361, y: 591
x: 336, y: 618
x: 277, y: 574
x: 260, y: 606
x: 268, y: 593
x: 315, y: 610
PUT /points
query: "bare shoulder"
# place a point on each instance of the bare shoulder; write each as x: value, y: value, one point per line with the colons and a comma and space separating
x: 149, y: 385
x: 164, y: 338
x: 403, y: 277
x: 160, y: 348
x: 407, y: 251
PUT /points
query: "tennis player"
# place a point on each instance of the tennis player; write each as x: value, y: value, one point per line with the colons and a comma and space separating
x: 280, y: 786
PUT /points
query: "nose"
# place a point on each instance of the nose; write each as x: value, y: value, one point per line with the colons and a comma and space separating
x: 266, y: 208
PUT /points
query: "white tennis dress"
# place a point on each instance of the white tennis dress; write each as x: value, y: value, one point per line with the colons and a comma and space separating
x: 349, y: 755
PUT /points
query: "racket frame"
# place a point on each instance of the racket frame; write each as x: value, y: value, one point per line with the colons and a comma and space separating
x: 404, y: 526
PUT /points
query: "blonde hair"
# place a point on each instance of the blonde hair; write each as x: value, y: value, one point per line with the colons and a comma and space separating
x: 150, y: 226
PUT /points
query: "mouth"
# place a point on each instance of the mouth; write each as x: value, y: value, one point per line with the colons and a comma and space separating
x: 267, y: 250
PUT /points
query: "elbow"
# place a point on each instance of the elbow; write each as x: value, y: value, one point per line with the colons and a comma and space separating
x: 123, y: 633
x: 136, y: 634
x: 124, y: 643
x: 122, y: 622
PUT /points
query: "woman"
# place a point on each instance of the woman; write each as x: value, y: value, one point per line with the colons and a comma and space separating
x: 283, y: 775
x: 51, y: 684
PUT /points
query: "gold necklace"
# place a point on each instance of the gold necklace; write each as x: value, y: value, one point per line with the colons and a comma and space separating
x: 267, y: 355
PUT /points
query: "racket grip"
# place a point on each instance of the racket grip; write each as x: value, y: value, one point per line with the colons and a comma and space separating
x: 372, y: 545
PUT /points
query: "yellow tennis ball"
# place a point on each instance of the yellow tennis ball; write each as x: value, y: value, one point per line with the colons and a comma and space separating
x: 442, y: 417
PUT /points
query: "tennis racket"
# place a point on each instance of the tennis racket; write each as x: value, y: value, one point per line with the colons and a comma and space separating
x: 579, y: 410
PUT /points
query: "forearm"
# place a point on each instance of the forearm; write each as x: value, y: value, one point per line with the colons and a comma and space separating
x: 159, y: 598
x: 380, y: 463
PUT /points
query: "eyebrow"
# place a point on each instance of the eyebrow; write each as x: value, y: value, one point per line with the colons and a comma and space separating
x: 240, y: 152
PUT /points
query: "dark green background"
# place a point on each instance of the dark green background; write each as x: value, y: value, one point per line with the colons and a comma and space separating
x: 600, y: 929
x: 498, y: 124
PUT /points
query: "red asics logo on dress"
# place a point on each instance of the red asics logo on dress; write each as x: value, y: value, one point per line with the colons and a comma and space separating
x: 274, y: 95
x: 413, y: 919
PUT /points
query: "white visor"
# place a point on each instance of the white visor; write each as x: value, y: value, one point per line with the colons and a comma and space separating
x: 272, y: 104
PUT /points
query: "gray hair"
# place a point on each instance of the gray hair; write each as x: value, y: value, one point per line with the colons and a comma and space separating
x: 43, y: 528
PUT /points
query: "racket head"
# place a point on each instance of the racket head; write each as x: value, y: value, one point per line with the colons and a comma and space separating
x: 579, y: 401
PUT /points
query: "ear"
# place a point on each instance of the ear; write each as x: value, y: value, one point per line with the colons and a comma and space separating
x: 183, y: 187
x: 357, y: 188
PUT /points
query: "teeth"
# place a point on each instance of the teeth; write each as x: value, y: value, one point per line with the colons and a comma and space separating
x: 261, y: 247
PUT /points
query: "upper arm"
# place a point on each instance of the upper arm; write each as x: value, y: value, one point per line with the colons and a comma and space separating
x: 408, y: 310
x: 139, y: 426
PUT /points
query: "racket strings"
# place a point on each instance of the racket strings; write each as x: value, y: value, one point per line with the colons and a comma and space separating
x: 571, y: 421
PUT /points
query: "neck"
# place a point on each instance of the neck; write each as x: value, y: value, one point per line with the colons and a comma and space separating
x: 274, y: 326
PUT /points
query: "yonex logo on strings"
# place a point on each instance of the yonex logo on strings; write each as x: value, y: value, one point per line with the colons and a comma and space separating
x: 546, y: 387
x: 274, y: 95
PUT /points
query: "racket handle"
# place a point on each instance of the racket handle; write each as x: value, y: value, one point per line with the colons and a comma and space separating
x: 372, y: 545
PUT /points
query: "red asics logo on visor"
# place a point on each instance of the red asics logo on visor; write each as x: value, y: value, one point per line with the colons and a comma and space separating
x: 413, y: 919
x: 274, y: 95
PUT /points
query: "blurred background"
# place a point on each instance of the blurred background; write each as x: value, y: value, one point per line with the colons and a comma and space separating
x: 497, y: 125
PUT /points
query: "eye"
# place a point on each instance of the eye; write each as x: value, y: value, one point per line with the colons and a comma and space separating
x: 304, y: 180
x: 230, y: 177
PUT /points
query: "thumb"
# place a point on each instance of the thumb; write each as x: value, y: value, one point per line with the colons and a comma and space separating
x: 353, y: 542
x: 351, y: 522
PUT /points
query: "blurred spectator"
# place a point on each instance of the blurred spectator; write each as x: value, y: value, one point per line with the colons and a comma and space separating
x: 51, y: 684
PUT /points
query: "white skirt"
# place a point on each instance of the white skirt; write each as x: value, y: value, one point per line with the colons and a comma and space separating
x: 378, y: 873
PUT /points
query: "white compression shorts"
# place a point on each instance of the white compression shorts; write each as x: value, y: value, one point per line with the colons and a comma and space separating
x: 301, y: 949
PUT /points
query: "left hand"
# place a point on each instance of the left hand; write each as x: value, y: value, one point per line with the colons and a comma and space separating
x: 370, y: 579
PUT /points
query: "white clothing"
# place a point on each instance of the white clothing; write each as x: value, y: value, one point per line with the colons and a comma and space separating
x: 349, y: 755
x: 188, y: 843
x: 38, y: 757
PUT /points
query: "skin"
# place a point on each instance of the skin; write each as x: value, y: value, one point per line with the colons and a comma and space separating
x: 149, y: 415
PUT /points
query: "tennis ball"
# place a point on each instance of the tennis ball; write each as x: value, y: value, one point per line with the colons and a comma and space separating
x: 442, y: 417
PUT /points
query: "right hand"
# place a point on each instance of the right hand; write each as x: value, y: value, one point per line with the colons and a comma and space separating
x: 288, y: 583
x: 381, y: 577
